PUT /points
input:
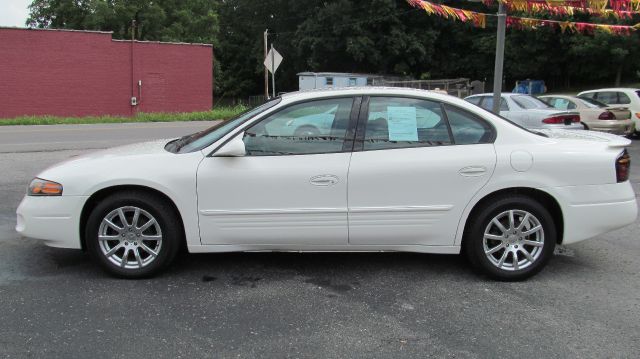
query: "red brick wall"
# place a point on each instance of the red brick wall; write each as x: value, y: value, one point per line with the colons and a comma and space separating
x: 74, y: 73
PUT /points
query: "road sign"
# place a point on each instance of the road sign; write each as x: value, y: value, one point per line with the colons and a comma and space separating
x: 273, y: 60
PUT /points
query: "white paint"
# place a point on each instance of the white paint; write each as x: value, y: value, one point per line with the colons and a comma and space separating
x: 413, y: 199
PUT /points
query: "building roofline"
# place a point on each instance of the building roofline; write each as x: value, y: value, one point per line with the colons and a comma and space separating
x: 65, y: 30
x: 347, y: 74
x: 103, y: 33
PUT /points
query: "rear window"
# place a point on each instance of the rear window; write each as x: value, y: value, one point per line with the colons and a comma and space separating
x: 529, y: 102
x: 589, y: 102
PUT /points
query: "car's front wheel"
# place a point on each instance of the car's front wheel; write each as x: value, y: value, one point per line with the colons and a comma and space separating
x: 511, y: 238
x: 133, y: 234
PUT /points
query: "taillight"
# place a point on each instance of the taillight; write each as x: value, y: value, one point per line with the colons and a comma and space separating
x: 623, y: 163
x: 607, y: 115
x: 638, y: 114
x: 560, y: 119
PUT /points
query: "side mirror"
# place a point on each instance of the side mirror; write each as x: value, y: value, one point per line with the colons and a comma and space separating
x: 233, y: 148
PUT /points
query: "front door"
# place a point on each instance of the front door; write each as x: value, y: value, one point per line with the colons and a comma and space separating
x: 416, y: 165
x: 291, y: 186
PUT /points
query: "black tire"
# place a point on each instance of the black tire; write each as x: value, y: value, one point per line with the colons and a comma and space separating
x: 166, y: 217
x: 473, y: 242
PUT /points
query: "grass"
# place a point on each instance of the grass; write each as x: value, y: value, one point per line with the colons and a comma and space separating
x: 218, y: 113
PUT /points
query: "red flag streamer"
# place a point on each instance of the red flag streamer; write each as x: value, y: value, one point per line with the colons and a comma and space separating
x: 568, y: 8
x: 479, y: 19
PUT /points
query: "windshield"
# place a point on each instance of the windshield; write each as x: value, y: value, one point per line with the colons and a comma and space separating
x: 589, y: 102
x: 200, y: 140
x: 529, y: 102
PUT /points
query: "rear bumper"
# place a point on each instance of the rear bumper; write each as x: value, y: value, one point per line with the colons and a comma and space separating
x: 615, y: 127
x: 55, y: 220
x: 589, y: 211
x: 573, y: 126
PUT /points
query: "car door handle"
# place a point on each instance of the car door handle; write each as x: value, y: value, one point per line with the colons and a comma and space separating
x: 324, y: 180
x: 473, y: 171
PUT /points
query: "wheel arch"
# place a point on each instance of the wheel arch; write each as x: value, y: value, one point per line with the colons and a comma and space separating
x: 99, y: 195
x: 546, y: 199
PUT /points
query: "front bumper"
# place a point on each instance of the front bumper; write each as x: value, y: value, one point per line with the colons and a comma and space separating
x: 589, y: 211
x: 55, y: 220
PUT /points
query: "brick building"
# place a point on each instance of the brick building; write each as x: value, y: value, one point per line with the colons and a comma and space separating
x: 79, y: 73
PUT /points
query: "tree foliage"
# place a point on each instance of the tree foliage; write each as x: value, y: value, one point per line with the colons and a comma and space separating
x: 377, y: 36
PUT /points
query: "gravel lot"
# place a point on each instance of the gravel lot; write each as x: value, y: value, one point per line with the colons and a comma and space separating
x: 56, y: 303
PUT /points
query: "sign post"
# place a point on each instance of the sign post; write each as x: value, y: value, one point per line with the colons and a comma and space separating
x: 497, y: 72
x: 272, y: 62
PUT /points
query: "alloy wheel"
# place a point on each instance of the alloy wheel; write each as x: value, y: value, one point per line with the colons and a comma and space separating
x: 513, y: 240
x: 130, y: 237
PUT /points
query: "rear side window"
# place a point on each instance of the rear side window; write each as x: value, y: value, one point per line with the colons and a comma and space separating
x: 529, y: 102
x: 608, y: 97
x: 404, y: 123
x: 474, y: 100
x: 468, y: 128
x: 487, y: 103
x: 623, y: 99
x: 560, y: 103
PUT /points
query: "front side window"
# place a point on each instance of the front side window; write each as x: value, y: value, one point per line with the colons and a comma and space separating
x: 352, y: 81
x: 404, y: 122
x: 306, y: 128
x: 329, y: 81
x: 200, y: 140
x: 468, y: 128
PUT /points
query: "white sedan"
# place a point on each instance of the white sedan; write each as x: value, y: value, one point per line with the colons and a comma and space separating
x: 377, y: 178
x: 529, y: 112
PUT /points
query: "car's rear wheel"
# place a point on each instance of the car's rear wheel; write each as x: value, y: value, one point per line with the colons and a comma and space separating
x: 511, y: 238
x: 133, y: 234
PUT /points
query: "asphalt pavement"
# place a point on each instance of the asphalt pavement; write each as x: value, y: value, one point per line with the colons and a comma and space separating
x: 56, y: 303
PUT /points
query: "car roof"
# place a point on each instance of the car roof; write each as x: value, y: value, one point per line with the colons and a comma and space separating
x: 622, y: 89
x: 506, y: 94
x: 365, y: 91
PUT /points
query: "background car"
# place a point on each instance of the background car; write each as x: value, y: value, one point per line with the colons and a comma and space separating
x: 619, y: 97
x: 529, y: 112
x: 400, y: 170
x: 594, y: 115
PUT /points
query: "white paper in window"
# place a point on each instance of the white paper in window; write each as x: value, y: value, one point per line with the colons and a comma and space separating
x: 402, y: 123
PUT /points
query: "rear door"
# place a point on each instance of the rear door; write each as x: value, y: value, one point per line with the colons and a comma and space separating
x: 416, y: 164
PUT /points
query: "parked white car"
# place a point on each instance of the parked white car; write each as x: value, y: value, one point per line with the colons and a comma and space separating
x: 529, y: 112
x: 619, y: 97
x: 383, y: 180
x: 594, y: 114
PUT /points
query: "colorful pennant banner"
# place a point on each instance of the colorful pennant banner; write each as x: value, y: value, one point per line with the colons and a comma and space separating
x: 563, y: 7
x: 480, y: 19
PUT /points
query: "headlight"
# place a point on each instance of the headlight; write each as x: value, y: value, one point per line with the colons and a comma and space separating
x: 41, y: 187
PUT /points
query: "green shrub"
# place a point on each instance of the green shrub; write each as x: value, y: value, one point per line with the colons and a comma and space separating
x: 218, y: 113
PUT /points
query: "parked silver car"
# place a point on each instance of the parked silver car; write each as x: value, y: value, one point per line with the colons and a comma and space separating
x: 529, y: 112
x: 595, y: 115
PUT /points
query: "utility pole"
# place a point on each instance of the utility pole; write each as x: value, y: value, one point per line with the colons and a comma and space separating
x: 266, y: 71
x: 497, y: 72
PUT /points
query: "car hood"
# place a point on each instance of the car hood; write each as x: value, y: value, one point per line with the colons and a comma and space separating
x: 610, y: 140
x: 134, y: 149
x: 143, y: 163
